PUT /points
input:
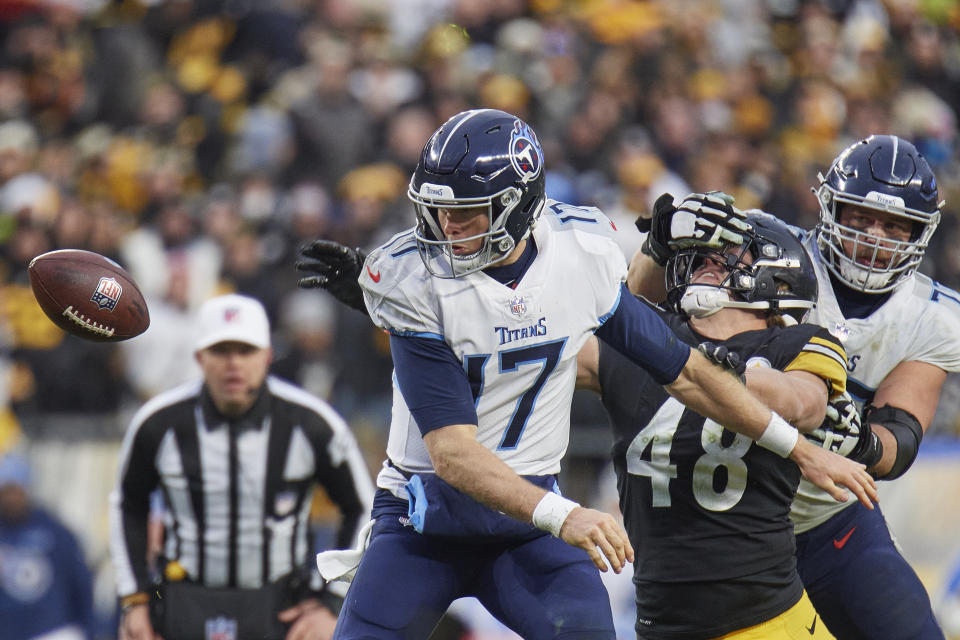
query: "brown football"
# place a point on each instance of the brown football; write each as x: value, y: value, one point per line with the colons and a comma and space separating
x: 88, y: 295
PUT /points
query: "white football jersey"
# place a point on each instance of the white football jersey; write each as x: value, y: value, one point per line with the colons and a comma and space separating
x: 518, y: 346
x: 920, y: 321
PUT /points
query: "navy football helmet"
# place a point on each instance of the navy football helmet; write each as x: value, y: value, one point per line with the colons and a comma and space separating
x: 780, y: 278
x: 479, y: 158
x: 884, y: 173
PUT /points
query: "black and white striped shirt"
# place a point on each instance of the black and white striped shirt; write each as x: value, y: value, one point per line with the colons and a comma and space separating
x: 238, y: 492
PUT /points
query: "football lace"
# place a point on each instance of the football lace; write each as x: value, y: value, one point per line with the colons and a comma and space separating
x: 87, y: 323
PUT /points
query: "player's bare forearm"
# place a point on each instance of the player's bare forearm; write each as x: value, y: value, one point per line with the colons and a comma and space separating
x: 914, y: 387
x: 464, y: 463
x: 467, y: 465
x: 588, y: 365
x: 714, y: 393
x: 645, y: 278
x: 800, y: 397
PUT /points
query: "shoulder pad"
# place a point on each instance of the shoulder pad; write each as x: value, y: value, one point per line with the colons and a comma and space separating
x: 564, y: 217
x: 397, y: 289
x: 933, y: 313
x: 593, y: 230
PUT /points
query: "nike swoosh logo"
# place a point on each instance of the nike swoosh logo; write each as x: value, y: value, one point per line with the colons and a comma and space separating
x: 813, y: 627
x: 842, y: 541
x: 374, y: 277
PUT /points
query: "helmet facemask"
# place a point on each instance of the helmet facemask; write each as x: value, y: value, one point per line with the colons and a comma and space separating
x: 698, y: 299
x: 438, y: 253
x: 902, y: 256
x: 770, y: 272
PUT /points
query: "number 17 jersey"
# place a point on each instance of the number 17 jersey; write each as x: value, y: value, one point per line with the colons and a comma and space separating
x: 517, y: 346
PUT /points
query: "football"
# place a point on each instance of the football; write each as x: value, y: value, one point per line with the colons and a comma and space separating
x: 88, y: 295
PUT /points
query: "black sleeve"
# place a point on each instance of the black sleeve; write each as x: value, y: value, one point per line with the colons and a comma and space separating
x: 341, y: 470
x: 138, y: 479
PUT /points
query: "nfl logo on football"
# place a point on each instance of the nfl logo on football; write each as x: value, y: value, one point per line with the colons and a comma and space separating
x: 107, y: 294
x: 221, y: 629
x: 518, y: 307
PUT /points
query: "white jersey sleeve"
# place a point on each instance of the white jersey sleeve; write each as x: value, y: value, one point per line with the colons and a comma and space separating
x: 397, y: 291
x: 936, y: 335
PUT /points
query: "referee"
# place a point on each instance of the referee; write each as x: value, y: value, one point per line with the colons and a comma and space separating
x: 236, y: 457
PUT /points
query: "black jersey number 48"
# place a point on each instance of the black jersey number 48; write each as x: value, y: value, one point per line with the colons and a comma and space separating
x: 658, y: 437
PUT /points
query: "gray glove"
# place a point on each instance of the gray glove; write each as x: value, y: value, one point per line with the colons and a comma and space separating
x: 719, y: 355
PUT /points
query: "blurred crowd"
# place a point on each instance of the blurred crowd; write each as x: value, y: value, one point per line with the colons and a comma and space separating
x: 199, y: 143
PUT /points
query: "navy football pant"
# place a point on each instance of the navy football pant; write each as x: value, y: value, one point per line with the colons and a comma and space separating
x: 542, y: 588
x: 860, y: 584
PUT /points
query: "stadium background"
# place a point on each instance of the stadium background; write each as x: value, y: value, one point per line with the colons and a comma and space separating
x: 199, y: 142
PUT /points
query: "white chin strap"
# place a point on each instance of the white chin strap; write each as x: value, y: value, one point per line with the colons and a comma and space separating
x: 700, y: 301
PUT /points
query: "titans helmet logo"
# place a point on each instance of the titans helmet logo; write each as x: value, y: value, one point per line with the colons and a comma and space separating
x: 526, y: 156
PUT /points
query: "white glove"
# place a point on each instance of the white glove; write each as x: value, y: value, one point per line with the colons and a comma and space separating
x: 341, y: 564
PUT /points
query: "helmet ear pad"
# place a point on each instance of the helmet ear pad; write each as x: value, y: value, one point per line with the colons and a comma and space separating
x: 524, y: 216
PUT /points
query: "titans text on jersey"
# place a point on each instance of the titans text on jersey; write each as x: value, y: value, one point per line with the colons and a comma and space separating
x: 509, y: 334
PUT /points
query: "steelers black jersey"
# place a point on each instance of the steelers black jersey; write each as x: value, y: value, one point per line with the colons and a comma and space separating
x: 706, y: 508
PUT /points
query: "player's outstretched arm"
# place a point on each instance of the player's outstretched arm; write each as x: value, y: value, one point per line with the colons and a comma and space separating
x: 799, y: 396
x: 712, y: 392
x: 464, y: 463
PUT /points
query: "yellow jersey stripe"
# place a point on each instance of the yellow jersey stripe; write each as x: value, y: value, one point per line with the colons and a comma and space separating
x: 830, y: 344
x: 824, y: 363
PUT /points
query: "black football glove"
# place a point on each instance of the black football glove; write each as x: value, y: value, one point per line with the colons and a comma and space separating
x: 658, y: 228
x: 723, y: 357
x: 702, y: 220
x: 844, y: 432
x: 337, y: 268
